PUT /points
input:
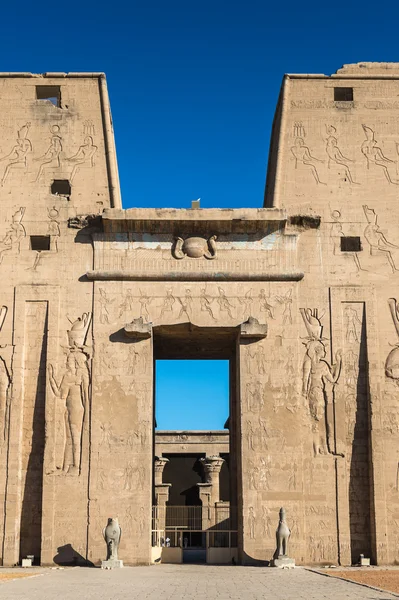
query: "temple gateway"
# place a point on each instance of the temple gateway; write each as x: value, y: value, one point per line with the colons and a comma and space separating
x: 300, y: 296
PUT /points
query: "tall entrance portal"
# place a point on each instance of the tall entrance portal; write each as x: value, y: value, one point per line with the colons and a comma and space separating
x: 199, y: 524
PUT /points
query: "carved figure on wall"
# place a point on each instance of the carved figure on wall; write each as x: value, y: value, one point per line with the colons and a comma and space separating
x: 374, y: 154
x: 318, y: 381
x: 144, y: 301
x: 299, y: 130
x: 266, y: 521
x: 302, y: 155
x: 54, y: 226
x: 88, y: 127
x: 254, y: 395
x: 73, y: 391
x: 336, y: 232
x: 14, y: 234
x: 353, y: 323
x: 282, y: 535
x: 186, y: 305
x: 84, y: 156
x: 251, y: 522
x: 19, y: 153
x: 112, y: 536
x: 195, y: 247
x: 78, y: 332
x: 224, y: 303
x: 104, y: 301
x: 312, y: 321
x: 335, y: 155
x: 376, y: 239
x: 51, y: 158
x: 250, y: 436
x: 286, y: 300
x: 206, y: 302
x: 264, y: 304
x: 351, y: 364
x: 392, y: 361
x: 127, y: 304
x: 246, y: 303
x: 168, y: 302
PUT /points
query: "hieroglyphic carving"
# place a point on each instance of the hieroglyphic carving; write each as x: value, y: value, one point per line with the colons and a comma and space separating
x: 19, y: 153
x: 73, y: 392
x: 186, y: 305
x: 88, y: 127
x: 302, y: 155
x: 144, y: 301
x: 206, y: 301
x: 84, y: 156
x: 194, y: 247
x: 246, y: 302
x: 374, y: 154
x: 353, y: 323
x: 318, y: 381
x: 251, y: 522
x: 51, y: 158
x: 54, y: 226
x: 266, y: 521
x: 254, y: 396
x: 286, y: 301
x: 376, y: 239
x: 299, y: 130
x: 392, y: 361
x: 264, y: 304
x: 224, y: 303
x: 14, y: 234
x: 104, y: 302
x: 335, y: 155
x: 127, y: 304
x: 168, y: 302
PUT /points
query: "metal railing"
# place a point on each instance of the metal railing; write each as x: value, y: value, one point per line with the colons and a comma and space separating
x: 194, y: 518
x: 181, y: 538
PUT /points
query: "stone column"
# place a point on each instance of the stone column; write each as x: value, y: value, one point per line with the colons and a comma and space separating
x: 161, y: 493
x: 210, y: 490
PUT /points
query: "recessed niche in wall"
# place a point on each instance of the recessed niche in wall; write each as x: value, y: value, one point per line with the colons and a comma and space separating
x: 343, y: 94
x: 61, y: 187
x: 351, y: 244
x: 52, y: 93
x: 39, y: 243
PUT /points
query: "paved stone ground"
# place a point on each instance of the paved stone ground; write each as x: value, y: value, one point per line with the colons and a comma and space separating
x: 186, y: 582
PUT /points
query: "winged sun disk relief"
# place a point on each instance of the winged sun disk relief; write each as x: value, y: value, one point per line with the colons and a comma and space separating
x: 195, y: 247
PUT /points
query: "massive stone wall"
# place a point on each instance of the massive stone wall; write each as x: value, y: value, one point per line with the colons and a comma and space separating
x: 300, y: 296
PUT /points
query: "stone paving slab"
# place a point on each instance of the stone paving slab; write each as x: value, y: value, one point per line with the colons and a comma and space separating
x: 186, y: 582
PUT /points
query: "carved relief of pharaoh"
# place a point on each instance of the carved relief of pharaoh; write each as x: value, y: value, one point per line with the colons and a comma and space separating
x: 195, y: 247
x: 318, y: 381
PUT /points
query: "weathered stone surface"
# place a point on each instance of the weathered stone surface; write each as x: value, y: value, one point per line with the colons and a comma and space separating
x: 314, y: 420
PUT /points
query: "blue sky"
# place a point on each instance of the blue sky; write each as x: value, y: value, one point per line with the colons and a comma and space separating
x: 193, y: 85
x: 192, y: 394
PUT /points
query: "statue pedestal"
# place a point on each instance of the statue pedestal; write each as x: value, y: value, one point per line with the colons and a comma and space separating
x: 283, y: 562
x: 111, y: 564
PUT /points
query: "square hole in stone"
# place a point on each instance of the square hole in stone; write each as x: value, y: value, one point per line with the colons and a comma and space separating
x: 40, y: 242
x: 61, y: 187
x: 350, y: 244
x: 52, y: 93
x: 343, y: 94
